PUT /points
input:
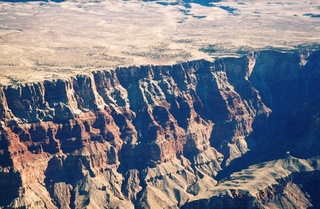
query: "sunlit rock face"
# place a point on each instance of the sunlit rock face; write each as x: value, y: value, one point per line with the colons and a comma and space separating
x: 165, y: 136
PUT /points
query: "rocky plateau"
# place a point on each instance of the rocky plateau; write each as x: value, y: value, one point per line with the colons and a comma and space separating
x: 237, y: 132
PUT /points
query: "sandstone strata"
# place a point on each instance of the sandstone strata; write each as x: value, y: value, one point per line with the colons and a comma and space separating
x: 157, y: 136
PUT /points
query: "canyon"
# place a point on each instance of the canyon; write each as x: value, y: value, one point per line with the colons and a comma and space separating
x: 235, y: 132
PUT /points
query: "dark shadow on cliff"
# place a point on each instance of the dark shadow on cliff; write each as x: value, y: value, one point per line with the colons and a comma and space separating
x: 10, y: 181
x: 310, y: 185
x: 272, y: 139
x: 291, y: 92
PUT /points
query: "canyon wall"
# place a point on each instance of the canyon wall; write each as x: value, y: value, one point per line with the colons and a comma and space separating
x: 156, y: 136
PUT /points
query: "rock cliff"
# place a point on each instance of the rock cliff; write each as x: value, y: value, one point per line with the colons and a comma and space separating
x: 163, y: 136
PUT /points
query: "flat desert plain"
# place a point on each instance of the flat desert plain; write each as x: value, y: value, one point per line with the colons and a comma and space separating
x: 48, y: 40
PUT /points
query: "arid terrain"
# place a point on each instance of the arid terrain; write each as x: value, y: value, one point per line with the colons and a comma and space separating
x: 46, y: 40
x: 160, y: 104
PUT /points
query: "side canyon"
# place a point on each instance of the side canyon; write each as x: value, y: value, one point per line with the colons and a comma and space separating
x: 238, y: 132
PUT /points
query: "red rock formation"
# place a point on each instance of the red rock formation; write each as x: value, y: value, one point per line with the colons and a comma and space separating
x: 142, y: 136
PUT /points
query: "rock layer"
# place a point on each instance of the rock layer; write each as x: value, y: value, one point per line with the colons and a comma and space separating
x: 155, y: 136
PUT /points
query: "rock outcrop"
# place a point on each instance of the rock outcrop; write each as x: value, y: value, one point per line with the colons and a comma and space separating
x: 275, y: 184
x: 158, y: 136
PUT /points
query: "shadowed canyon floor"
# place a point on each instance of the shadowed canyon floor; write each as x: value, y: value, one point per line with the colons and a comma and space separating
x: 159, y: 104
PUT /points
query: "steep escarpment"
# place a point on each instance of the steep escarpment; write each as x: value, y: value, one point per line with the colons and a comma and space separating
x: 158, y: 136
x: 290, y: 90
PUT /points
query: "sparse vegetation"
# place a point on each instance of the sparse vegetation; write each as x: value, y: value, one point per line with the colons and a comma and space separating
x: 211, y: 48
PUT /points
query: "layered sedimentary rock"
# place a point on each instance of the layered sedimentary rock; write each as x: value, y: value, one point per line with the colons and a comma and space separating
x: 157, y: 136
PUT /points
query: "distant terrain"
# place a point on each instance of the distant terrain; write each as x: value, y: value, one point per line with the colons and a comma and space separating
x: 48, y: 40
